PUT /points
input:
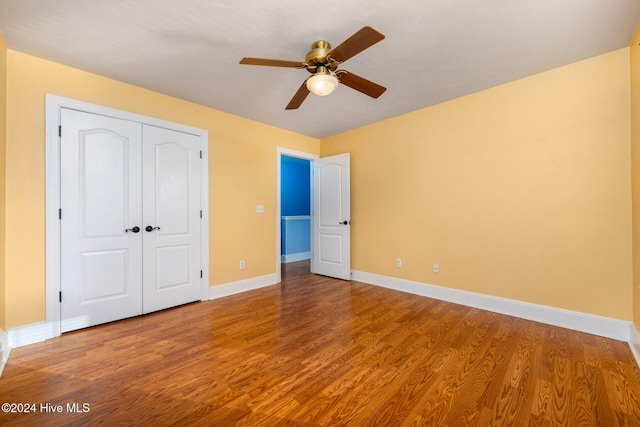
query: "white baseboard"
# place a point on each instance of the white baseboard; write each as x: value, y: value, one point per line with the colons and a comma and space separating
x: 226, y: 289
x: 300, y: 256
x: 4, y: 350
x: 634, y: 343
x: 598, y: 325
x: 29, y: 334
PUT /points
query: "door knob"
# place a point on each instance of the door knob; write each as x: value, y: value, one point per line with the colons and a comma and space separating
x: 134, y: 229
x: 150, y: 228
x: 344, y: 222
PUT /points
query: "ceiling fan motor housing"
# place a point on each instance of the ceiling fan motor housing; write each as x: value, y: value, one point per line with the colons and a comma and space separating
x: 318, y: 57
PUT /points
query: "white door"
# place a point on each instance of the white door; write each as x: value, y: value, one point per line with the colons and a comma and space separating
x: 171, y: 194
x: 130, y: 219
x: 332, y: 217
x: 100, y: 174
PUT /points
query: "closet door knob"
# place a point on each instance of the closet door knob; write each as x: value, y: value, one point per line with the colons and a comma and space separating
x: 134, y: 229
x: 150, y: 228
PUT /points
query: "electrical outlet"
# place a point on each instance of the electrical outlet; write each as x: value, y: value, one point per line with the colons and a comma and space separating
x: 241, y: 264
x: 260, y: 208
x: 436, y: 268
x: 398, y: 263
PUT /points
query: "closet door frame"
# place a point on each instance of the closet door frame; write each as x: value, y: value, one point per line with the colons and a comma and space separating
x: 54, y: 105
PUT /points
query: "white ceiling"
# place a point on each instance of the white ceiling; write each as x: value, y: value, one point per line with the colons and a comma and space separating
x: 435, y: 50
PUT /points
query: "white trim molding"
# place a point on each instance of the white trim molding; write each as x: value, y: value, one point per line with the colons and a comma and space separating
x: 634, y: 343
x: 232, y: 288
x: 5, y: 349
x: 29, y: 334
x: 598, y: 325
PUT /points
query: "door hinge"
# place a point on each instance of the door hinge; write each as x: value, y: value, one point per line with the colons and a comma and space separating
x: 200, y: 214
x: 200, y: 153
x: 59, y: 213
x: 201, y: 274
x: 60, y: 296
x: 60, y: 130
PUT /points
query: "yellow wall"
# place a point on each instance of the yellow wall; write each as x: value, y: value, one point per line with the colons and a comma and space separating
x: 242, y: 170
x: 3, y: 146
x: 635, y: 162
x: 520, y: 191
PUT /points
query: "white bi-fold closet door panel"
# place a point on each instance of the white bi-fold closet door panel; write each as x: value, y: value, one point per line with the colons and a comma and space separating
x: 130, y: 219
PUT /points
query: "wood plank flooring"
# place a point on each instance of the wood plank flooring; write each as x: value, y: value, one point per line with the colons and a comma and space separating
x: 315, y: 351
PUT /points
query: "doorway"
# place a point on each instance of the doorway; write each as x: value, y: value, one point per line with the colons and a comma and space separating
x: 330, y: 209
x: 295, y: 208
x: 296, y: 224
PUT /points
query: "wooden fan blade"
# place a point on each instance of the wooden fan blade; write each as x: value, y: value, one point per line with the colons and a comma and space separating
x: 361, y: 84
x: 355, y: 44
x: 272, y: 62
x: 299, y: 97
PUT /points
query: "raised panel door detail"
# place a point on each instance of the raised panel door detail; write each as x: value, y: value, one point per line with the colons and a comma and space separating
x: 104, y: 275
x: 172, y: 267
x: 330, y: 208
x: 104, y: 180
x: 331, y: 248
x: 172, y: 188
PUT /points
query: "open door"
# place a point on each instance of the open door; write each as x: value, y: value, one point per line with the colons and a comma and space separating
x: 332, y: 217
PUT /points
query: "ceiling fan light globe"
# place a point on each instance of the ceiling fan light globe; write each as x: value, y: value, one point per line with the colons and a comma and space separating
x: 322, y: 84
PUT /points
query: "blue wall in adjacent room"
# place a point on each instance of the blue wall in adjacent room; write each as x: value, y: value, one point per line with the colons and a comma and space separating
x: 295, y: 179
x: 295, y: 198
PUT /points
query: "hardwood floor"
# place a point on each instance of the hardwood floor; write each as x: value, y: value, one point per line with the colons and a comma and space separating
x: 322, y: 352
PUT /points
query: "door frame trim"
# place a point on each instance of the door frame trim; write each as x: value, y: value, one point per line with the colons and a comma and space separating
x: 281, y: 151
x: 54, y: 104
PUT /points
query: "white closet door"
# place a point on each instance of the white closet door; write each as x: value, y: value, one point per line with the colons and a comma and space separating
x: 171, y: 224
x: 101, y: 263
x: 130, y: 224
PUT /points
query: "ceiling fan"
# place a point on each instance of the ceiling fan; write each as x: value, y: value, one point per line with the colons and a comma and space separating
x: 323, y: 62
